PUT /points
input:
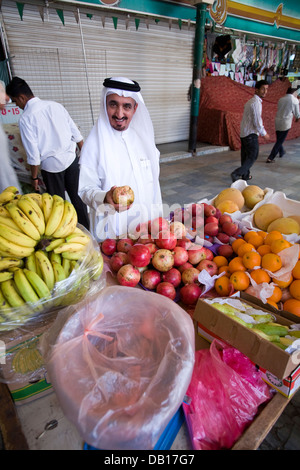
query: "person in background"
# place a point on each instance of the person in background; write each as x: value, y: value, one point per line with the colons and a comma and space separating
x: 49, y: 137
x: 251, y: 127
x: 8, y: 175
x: 120, y: 151
x: 287, y: 108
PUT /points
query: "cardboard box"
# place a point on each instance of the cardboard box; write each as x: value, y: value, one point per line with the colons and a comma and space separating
x: 213, y: 323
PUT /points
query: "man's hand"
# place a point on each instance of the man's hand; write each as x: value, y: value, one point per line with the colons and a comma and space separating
x: 109, y: 200
x: 266, y: 137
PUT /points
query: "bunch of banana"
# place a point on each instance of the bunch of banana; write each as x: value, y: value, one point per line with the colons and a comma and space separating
x: 260, y: 323
x: 40, y: 247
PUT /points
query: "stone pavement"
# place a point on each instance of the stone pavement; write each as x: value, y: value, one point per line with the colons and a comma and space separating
x: 185, y: 179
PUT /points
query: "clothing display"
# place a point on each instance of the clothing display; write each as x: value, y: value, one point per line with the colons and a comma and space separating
x: 118, y: 158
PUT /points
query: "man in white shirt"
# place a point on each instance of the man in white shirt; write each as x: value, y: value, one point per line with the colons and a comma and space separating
x: 251, y: 127
x: 50, y: 136
x: 287, y: 108
x: 120, y: 151
x: 8, y: 176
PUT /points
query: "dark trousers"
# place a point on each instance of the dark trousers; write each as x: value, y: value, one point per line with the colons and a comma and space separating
x: 67, y: 180
x: 278, y: 146
x: 249, y: 154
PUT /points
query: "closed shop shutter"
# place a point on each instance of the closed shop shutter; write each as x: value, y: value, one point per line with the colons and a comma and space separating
x: 68, y: 62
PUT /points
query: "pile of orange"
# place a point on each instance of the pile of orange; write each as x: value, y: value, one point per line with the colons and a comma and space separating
x: 257, y: 254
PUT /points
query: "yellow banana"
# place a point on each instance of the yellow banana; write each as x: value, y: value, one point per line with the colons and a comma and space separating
x: 16, y: 237
x: 77, y: 255
x: 47, y: 203
x: 12, y: 189
x: 10, y: 223
x: 59, y: 272
x: 38, y: 284
x: 33, y: 212
x: 46, y: 268
x: 77, y: 238
x: 4, y: 305
x: 15, y: 199
x: 54, y: 244
x: 68, y: 222
x: 11, y: 249
x: 6, y: 196
x: 23, y: 221
x: 6, y: 263
x: 24, y: 287
x: 30, y: 262
x: 11, y: 294
x: 98, y: 261
x: 66, y: 264
x: 55, y: 257
x: 55, y: 216
x: 5, y: 276
x: 4, y: 212
x: 37, y: 197
x: 70, y: 247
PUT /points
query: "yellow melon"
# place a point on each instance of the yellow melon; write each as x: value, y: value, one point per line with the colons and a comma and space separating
x: 265, y: 214
x: 228, y: 206
x: 252, y: 195
x: 231, y: 194
x: 285, y: 225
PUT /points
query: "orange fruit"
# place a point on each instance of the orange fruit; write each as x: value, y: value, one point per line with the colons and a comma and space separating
x: 260, y: 276
x: 271, y: 236
x: 283, y: 284
x: 251, y: 259
x: 223, y: 286
x: 224, y: 269
x: 245, y: 248
x: 292, y: 306
x: 264, y: 249
x: 271, y: 261
x: 271, y: 302
x: 236, y: 264
x: 262, y: 234
x: 249, y: 234
x: 253, y: 238
x: 296, y: 270
x: 276, y: 295
x: 294, y: 289
x: 236, y: 244
x: 220, y: 261
x: 279, y: 245
x: 240, y: 280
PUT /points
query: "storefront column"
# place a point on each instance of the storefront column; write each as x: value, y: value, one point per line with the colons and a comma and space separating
x: 195, y: 89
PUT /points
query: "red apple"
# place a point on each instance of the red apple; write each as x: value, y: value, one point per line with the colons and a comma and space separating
x: 209, y: 209
x: 167, y: 289
x: 225, y: 250
x: 109, y: 246
x: 225, y: 218
x: 210, y: 266
x: 181, y: 255
x: 190, y: 293
x: 211, y: 219
x: 139, y: 255
x: 124, y: 244
x: 173, y: 276
x: 150, y: 278
x: 230, y: 228
x: 128, y: 275
x: 118, y: 259
x: 211, y: 229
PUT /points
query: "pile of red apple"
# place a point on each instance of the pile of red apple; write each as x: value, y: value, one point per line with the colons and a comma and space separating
x: 165, y: 259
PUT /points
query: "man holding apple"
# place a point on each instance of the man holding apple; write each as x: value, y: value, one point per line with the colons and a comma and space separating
x: 120, y: 151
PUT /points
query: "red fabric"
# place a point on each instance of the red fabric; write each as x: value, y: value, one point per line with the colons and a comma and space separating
x: 221, y: 108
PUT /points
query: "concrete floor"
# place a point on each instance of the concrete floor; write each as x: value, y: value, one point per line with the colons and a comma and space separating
x: 185, y: 179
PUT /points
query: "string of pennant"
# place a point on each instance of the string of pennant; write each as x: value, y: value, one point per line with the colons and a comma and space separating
x: 60, y: 13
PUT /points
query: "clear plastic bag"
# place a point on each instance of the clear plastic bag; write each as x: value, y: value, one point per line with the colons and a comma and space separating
x: 120, y: 366
x: 225, y: 392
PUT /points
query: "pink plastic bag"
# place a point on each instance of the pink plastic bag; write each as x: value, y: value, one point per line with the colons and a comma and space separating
x: 225, y: 392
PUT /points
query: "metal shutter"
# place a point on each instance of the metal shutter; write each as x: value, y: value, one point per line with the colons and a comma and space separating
x: 50, y: 56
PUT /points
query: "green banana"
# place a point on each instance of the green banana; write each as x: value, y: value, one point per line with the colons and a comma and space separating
x: 295, y: 333
x: 286, y: 341
x: 11, y: 249
x: 47, y: 203
x: 97, y: 259
x: 76, y: 238
x: 23, y: 221
x: 11, y: 294
x: 54, y: 244
x: 33, y: 212
x: 6, y: 263
x: 5, y: 276
x: 30, y: 263
x: 38, y: 284
x: 4, y: 305
x: 59, y: 272
x: 55, y: 257
x: 77, y: 255
x: 55, y: 216
x: 261, y: 318
x: 16, y: 237
x: 66, y: 264
x: 24, y: 287
x: 46, y: 268
x: 272, y: 338
x: 272, y: 329
x: 68, y: 222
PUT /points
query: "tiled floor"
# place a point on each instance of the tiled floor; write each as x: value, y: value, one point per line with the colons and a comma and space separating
x: 185, y: 180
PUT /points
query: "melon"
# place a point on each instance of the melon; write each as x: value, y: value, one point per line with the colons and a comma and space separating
x: 285, y: 225
x: 227, y: 206
x: 252, y: 195
x: 266, y: 214
x: 231, y: 194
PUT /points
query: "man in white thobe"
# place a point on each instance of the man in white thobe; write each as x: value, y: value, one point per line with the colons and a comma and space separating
x: 120, y: 151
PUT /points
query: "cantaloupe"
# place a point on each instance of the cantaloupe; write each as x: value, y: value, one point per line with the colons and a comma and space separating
x: 266, y: 214
x: 231, y: 194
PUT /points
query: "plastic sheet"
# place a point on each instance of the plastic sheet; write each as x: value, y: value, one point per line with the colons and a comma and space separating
x: 225, y: 392
x: 120, y: 366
